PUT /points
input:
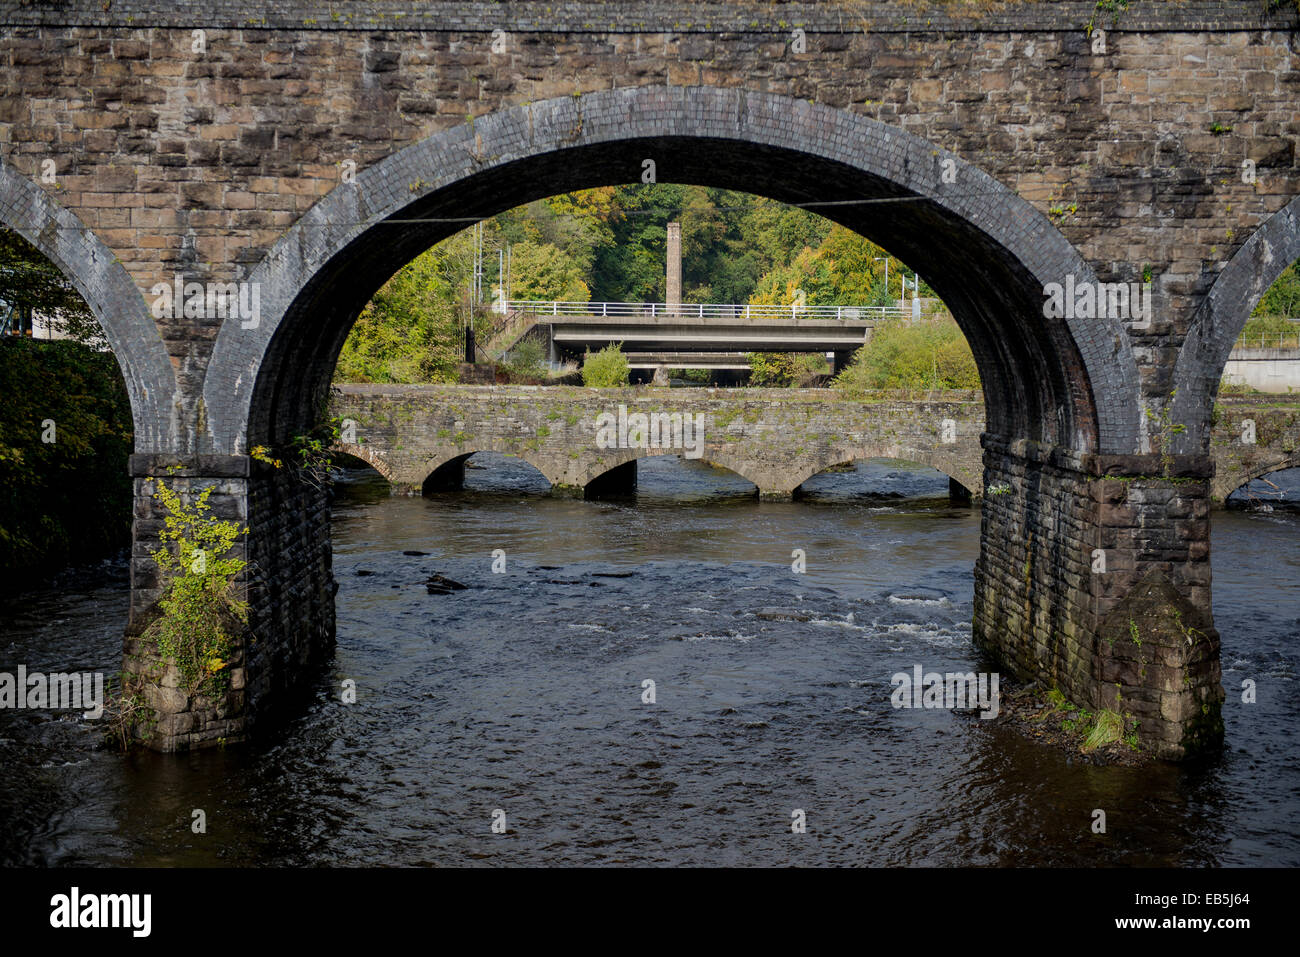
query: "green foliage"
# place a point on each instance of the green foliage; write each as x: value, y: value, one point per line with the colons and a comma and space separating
x: 544, y: 273
x: 1108, y: 728
x: 785, y: 368
x: 31, y: 283
x: 1282, y: 298
x: 527, y: 361
x: 606, y: 368
x: 201, y: 612
x: 309, y: 454
x: 610, y: 244
x: 924, y: 354
x: 66, y: 500
x: 412, y: 329
x: 843, y: 269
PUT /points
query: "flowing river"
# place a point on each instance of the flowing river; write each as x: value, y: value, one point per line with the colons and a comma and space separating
x: 523, y: 694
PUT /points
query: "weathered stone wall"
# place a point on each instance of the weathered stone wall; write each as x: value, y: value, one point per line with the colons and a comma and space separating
x: 1274, y: 426
x: 776, y: 438
x: 291, y: 588
x: 182, y: 720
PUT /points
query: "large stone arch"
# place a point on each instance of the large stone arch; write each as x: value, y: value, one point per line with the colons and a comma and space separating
x: 989, y: 253
x: 1062, y: 396
x: 1221, y: 317
x: 116, y: 302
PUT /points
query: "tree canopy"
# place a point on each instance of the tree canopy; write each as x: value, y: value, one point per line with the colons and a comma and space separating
x: 610, y: 244
x: 30, y: 283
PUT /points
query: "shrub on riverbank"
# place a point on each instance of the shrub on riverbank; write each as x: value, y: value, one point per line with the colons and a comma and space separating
x: 923, y: 354
x: 65, y: 434
x: 606, y: 368
x: 792, y: 369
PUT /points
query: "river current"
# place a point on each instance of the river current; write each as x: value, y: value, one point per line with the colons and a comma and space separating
x: 524, y: 694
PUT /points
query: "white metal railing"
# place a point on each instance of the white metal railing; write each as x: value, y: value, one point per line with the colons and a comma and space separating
x: 1291, y: 341
x: 696, y: 310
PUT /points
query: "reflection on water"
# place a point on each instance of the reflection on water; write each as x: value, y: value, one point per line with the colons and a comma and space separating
x: 523, y: 693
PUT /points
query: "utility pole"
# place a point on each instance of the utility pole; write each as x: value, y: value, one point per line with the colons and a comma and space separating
x: 476, y: 283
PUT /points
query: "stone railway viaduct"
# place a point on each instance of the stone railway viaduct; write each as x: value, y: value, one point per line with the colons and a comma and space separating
x: 311, y: 149
x: 419, y: 437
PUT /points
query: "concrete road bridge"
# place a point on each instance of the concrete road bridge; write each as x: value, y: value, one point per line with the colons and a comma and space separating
x: 570, y: 329
x: 298, y: 153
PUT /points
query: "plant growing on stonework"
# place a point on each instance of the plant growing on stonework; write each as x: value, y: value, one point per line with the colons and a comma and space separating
x: 126, y: 714
x: 201, y: 610
x: 1113, y: 7
x: 1109, y: 728
x: 308, y: 454
x: 1165, y: 431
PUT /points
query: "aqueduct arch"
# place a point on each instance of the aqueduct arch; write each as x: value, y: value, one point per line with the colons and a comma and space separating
x: 1221, y: 317
x: 1061, y: 395
x: 108, y: 290
x: 225, y: 167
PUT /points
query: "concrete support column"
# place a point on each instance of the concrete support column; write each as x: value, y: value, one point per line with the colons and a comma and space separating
x: 1093, y: 577
x: 288, y: 584
x: 673, y: 286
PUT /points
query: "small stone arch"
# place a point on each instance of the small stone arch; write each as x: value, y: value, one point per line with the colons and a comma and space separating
x: 946, y: 464
x: 439, y: 459
x: 368, y: 455
x: 609, y: 462
x: 1225, y: 485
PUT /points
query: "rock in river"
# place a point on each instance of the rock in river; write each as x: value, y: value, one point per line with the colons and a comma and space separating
x: 442, y: 585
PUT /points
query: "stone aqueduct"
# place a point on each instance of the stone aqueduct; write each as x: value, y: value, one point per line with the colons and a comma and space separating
x: 996, y: 149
